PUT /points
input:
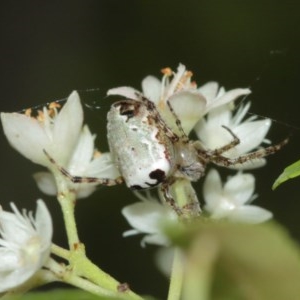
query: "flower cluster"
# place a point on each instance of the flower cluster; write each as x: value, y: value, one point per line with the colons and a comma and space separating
x: 232, y: 200
x: 57, y: 139
x: 206, y: 110
x: 62, y: 135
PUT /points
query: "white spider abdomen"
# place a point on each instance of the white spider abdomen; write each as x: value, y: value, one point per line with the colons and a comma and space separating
x: 143, y: 154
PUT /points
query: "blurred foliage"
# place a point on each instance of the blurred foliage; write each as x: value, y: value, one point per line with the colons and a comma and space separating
x: 239, y: 261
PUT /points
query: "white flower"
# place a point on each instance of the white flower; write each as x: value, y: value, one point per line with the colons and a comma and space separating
x: 216, y: 96
x: 53, y: 131
x: 24, y: 244
x: 232, y: 201
x: 84, y: 162
x: 250, y: 132
x: 61, y: 134
x: 189, y: 102
x: 148, y: 217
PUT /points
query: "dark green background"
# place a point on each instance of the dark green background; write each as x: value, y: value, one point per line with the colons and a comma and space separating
x: 50, y: 48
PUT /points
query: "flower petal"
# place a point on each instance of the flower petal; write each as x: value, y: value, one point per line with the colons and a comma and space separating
x: 176, y: 81
x: 26, y: 135
x: 212, y: 189
x: 10, y: 273
x: 211, y: 131
x: 103, y: 166
x: 46, y: 183
x: 250, y: 214
x: 9, y: 261
x: 189, y: 107
x: 155, y: 239
x: 84, y: 190
x: 209, y: 90
x: 144, y: 216
x: 83, y: 153
x: 44, y: 228
x: 239, y: 188
x: 125, y: 91
x: 12, y: 223
x: 67, y: 128
x: 220, y: 116
x: 251, y: 135
x: 151, y: 87
x: 228, y: 97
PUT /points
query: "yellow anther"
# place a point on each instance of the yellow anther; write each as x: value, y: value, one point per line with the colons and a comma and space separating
x: 194, y: 84
x: 189, y: 74
x: 40, y: 116
x: 28, y: 112
x: 97, y: 153
x: 167, y: 71
x: 53, y: 105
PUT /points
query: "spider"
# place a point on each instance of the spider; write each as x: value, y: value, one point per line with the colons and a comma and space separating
x: 149, y: 154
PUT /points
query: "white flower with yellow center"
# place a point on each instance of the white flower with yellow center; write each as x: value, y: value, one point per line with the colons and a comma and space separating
x: 62, y: 135
x: 188, y: 102
x: 53, y: 131
x: 24, y: 244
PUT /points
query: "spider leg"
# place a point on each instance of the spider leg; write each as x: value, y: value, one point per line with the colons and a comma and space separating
x: 168, y: 198
x: 177, y: 121
x: 168, y: 131
x: 226, y: 162
x: 206, y: 155
x: 79, y: 179
x: 220, y: 150
x: 151, y: 106
x: 228, y: 146
x: 190, y: 209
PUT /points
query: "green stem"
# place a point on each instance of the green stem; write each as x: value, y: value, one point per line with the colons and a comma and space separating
x: 175, y: 287
x: 92, y: 272
x: 67, y: 202
x: 60, y: 252
x: 186, y: 198
x: 80, y: 265
x: 92, y: 288
x: 87, y: 269
x: 58, y: 272
x: 182, y: 285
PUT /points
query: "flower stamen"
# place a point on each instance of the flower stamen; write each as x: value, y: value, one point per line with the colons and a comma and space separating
x: 28, y: 112
x: 96, y: 153
x: 183, y: 81
x: 167, y: 71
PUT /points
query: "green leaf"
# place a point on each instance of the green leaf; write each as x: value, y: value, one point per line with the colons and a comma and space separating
x: 238, y: 261
x: 289, y: 172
